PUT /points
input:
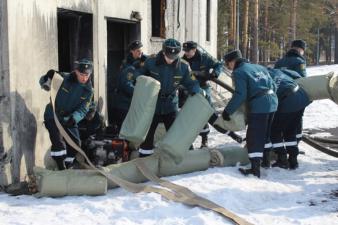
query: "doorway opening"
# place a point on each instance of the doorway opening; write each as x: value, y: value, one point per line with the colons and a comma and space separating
x: 120, y: 33
x: 75, y: 37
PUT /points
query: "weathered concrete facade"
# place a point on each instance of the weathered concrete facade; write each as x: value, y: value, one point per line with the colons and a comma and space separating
x: 29, y: 48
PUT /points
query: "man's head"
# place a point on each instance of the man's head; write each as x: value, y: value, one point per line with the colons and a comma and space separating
x: 299, y: 45
x: 171, y: 49
x: 231, y: 57
x: 135, y: 49
x: 83, y: 70
x: 189, y: 49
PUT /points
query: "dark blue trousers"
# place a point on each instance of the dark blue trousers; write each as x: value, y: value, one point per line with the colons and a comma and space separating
x: 300, y: 127
x: 147, y: 147
x: 284, y: 131
x: 60, y: 150
x: 258, y: 133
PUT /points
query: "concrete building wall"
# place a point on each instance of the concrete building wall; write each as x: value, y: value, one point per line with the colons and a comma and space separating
x: 5, y: 139
x: 192, y: 18
x: 29, y: 48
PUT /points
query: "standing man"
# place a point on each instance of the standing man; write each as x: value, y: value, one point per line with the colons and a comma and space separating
x: 124, y: 93
x: 135, y: 57
x: 125, y: 83
x: 294, y: 60
x: 292, y: 101
x: 170, y: 71
x: 202, y: 63
x: 71, y: 106
x: 254, y: 86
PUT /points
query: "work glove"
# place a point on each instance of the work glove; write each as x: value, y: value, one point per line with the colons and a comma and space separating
x: 69, y: 121
x: 226, y: 115
x: 90, y: 114
x: 48, y: 80
x: 50, y: 74
x: 211, y: 74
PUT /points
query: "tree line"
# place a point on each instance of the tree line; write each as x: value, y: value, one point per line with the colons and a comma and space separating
x: 263, y: 29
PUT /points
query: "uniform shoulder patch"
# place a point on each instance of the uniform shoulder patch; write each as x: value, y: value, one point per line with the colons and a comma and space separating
x: 192, y: 76
x: 130, y: 76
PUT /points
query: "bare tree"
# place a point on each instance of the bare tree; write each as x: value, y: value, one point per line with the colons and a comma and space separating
x: 245, y: 28
x: 266, y: 31
x: 293, y: 20
x: 254, y: 54
x: 232, y: 33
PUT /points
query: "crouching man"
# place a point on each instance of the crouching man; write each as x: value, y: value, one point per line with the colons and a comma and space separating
x: 71, y: 106
x: 253, y: 85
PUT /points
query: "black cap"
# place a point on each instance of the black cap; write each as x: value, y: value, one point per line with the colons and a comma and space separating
x: 187, y: 46
x: 298, y: 44
x: 135, y: 45
x: 171, y: 48
x: 234, y: 54
x: 84, y: 66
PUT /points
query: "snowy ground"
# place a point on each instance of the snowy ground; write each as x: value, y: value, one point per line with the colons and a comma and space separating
x: 304, y: 196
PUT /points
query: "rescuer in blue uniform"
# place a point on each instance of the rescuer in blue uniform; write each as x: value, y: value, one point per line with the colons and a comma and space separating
x: 124, y: 93
x: 170, y: 71
x: 254, y: 86
x: 136, y: 57
x: 71, y: 106
x: 294, y: 60
x: 292, y: 101
x: 201, y: 62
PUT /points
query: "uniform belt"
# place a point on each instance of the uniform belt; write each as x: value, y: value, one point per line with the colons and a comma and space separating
x: 261, y: 93
x: 289, y: 92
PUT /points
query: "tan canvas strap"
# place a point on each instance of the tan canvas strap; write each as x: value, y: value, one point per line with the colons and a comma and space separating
x: 178, y: 193
x: 189, y: 197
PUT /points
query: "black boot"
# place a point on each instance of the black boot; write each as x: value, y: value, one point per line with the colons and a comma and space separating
x: 60, y: 163
x: 254, y: 170
x: 204, y: 143
x: 140, y: 155
x: 282, y: 161
x: 293, y: 162
x: 266, y: 160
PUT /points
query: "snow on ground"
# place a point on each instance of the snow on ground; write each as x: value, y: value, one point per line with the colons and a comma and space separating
x: 303, y: 196
x: 319, y: 113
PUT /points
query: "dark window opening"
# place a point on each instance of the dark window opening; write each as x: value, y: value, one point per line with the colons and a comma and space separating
x: 119, y: 34
x: 158, y: 8
x: 208, y: 21
x: 75, y: 38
